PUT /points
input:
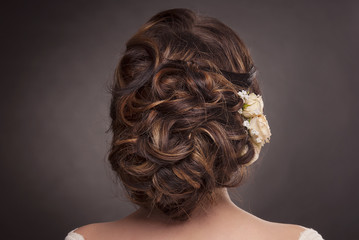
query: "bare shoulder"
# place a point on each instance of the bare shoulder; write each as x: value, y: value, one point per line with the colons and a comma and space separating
x: 101, y: 230
x: 253, y: 227
x: 91, y: 231
x: 284, y: 231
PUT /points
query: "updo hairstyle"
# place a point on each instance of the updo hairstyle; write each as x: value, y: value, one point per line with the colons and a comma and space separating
x: 177, y: 133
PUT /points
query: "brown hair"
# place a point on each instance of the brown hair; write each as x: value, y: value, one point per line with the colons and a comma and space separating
x: 177, y: 133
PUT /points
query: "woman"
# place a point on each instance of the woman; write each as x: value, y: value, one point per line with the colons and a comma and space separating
x: 187, y: 120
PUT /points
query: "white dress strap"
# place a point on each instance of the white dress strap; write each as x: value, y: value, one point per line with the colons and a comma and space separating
x: 74, y: 236
x: 310, y: 234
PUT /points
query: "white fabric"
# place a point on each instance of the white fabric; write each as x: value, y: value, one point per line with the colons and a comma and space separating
x: 310, y: 234
x: 307, y: 234
x: 74, y: 236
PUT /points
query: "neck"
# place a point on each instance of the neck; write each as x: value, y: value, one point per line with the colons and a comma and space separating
x: 222, y: 204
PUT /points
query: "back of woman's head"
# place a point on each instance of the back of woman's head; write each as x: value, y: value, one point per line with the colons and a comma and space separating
x: 177, y: 131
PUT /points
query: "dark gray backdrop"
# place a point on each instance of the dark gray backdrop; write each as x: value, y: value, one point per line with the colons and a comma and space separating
x: 58, y: 57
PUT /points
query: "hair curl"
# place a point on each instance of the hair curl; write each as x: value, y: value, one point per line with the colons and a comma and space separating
x: 177, y: 133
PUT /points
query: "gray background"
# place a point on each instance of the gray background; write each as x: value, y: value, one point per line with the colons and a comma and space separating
x: 58, y: 58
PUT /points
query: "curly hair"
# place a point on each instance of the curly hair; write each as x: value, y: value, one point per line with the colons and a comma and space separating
x: 177, y: 133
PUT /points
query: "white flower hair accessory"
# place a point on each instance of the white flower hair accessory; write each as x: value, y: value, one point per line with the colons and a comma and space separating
x: 255, y: 121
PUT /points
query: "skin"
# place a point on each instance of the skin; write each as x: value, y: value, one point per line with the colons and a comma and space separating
x: 224, y: 220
